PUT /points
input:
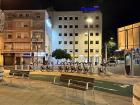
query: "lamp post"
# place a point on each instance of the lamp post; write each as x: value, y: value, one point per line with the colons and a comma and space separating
x: 89, y: 21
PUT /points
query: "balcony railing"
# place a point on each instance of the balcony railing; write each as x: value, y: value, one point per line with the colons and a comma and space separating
x: 18, y: 40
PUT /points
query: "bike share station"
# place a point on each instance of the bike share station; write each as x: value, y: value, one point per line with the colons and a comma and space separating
x: 132, y: 62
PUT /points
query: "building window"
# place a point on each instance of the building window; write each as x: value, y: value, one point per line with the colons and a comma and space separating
x: 60, y: 34
x: 91, y: 50
x: 91, y: 34
x: 65, y: 18
x: 71, y: 26
x: 25, y: 25
x: 9, y: 36
x: 27, y: 15
x: 86, y: 42
x: 91, y: 42
x: 86, y: 50
x: 18, y: 35
x: 91, y: 26
x: 59, y: 26
x: 97, y: 26
x: 97, y: 34
x: 65, y: 34
x: 76, y: 26
x: 65, y: 42
x: 76, y: 50
x: 97, y: 42
x: 26, y: 35
x: 76, y: 18
x: 76, y: 34
x: 71, y: 18
x: 97, y: 51
x: 76, y: 42
x: 70, y: 34
x: 71, y: 42
x: 65, y: 26
x: 71, y: 50
x: 86, y: 26
x: 60, y: 42
x: 97, y: 17
x: 60, y: 18
x: 38, y: 16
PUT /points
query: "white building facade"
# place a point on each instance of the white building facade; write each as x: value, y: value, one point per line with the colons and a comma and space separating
x: 70, y: 32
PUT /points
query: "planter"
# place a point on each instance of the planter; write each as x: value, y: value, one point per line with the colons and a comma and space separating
x: 136, y: 94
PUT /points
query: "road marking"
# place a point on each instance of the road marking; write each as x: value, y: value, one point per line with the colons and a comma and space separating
x: 106, y: 88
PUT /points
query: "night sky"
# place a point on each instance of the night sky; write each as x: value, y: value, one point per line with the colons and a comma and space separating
x: 116, y: 13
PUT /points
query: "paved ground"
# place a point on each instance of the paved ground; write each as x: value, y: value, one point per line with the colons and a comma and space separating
x: 23, y: 92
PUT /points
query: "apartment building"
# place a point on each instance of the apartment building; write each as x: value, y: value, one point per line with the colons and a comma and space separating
x: 26, y: 36
x: 70, y: 32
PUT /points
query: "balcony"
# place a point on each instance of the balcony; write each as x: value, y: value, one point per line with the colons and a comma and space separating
x: 37, y: 40
x: 16, y: 50
x: 18, y: 40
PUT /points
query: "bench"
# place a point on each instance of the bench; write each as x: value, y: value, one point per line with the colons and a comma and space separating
x: 19, y: 73
x: 24, y: 74
x: 77, y: 82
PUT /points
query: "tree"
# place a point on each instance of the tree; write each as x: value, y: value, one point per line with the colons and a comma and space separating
x: 67, y: 56
x: 60, y: 54
x: 112, y: 46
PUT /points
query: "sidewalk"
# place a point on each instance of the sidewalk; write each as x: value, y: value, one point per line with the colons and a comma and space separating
x: 46, y: 93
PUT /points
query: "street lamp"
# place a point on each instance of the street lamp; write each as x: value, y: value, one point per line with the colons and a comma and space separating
x: 89, y: 21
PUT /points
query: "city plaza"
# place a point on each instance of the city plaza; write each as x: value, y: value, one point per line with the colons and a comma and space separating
x: 30, y: 36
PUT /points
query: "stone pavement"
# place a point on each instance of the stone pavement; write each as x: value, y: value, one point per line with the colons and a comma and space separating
x: 23, y: 92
